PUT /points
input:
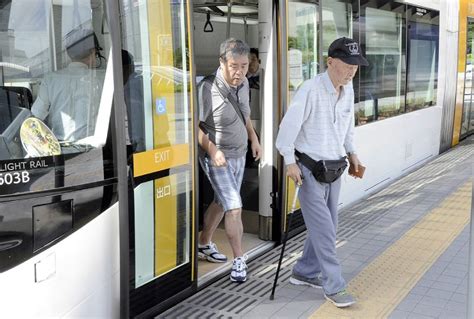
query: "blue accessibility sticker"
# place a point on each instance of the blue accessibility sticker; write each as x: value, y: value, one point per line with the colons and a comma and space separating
x: 160, y: 106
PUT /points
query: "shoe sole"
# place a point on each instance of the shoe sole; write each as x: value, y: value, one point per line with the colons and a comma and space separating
x: 210, y: 259
x: 340, y: 305
x: 298, y: 282
x: 238, y: 281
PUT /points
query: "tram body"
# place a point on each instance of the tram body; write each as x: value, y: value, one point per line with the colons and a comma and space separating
x: 108, y: 227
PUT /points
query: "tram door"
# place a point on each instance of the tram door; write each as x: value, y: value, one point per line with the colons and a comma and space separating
x: 301, y: 53
x: 252, y: 22
x: 308, y: 30
x: 156, y: 61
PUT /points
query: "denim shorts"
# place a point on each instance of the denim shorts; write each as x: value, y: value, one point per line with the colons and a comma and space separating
x: 225, y: 180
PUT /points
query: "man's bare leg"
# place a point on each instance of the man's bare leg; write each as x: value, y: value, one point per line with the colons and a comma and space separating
x: 212, y: 218
x: 234, y: 230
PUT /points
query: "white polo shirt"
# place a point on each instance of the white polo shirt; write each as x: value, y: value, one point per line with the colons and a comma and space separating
x: 318, y: 122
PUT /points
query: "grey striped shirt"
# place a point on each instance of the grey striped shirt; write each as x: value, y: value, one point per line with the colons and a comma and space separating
x: 225, y: 128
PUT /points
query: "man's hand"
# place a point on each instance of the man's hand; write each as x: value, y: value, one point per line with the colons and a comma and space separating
x: 354, y: 161
x: 256, y: 150
x: 218, y: 158
x: 293, y: 171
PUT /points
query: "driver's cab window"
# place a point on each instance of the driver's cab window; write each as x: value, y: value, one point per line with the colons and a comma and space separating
x: 68, y: 98
x: 55, y: 103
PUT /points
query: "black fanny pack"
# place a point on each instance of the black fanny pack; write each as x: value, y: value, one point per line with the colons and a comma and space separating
x: 325, y: 171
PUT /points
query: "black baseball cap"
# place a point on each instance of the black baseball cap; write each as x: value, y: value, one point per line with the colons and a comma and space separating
x: 347, y: 50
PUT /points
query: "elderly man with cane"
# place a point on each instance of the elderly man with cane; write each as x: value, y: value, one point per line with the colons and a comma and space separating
x: 315, y: 137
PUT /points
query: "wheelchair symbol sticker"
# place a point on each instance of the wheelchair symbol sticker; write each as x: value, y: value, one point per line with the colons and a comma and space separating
x: 160, y: 106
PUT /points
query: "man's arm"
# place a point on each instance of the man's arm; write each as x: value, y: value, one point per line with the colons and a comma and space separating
x: 205, y: 111
x: 40, y: 107
x: 290, y: 127
x: 349, y: 138
x: 255, y: 144
x: 349, y: 145
x: 211, y: 149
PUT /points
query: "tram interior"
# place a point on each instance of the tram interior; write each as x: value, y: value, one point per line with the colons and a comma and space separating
x: 210, y: 29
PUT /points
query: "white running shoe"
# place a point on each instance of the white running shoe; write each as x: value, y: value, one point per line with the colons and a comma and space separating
x: 210, y: 253
x: 239, y: 269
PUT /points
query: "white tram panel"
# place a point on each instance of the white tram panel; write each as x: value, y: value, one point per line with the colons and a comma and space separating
x: 84, y: 276
x: 392, y: 147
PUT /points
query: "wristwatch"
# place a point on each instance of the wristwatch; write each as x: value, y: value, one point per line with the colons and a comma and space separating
x: 350, y: 153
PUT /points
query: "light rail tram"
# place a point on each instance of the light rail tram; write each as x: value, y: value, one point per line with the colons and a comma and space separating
x: 101, y: 194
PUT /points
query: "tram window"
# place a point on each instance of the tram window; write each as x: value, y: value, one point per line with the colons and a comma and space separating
x: 11, y: 118
x: 53, y: 68
x: 382, y: 83
x: 303, y: 29
x: 157, y: 91
x: 467, y: 122
x: 337, y: 21
x: 423, y: 42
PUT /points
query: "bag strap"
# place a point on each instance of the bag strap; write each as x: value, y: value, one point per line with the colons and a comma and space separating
x: 306, y: 161
x: 226, y: 94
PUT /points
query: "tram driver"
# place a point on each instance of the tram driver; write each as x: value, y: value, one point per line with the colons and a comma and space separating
x: 68, y: 99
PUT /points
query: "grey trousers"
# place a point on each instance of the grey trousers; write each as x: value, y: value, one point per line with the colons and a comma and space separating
x: 319, y: 207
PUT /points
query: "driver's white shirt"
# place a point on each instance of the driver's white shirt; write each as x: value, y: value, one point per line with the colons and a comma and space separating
x: 68, y: 101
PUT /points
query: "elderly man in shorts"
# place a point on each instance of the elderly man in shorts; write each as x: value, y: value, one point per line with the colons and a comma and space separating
x: 224, y: 129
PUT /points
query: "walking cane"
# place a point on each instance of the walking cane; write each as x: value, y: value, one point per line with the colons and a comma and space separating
x: 285, y: 236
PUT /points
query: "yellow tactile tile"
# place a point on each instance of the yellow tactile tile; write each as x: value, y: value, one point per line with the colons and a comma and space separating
x: 383, y: 284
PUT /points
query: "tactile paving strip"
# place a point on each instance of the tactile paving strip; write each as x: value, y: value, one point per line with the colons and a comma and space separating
x: 381, y: 286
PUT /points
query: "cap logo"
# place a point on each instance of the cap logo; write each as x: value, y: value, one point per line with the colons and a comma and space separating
x: 353, y: 48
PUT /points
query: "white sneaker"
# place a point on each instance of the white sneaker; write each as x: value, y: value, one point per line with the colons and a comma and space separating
x: 239, y: 269
x: 210, y: 253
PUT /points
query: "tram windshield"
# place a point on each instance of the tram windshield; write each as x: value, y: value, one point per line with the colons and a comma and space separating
x: 53, y: 68
x: 53, y: 64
